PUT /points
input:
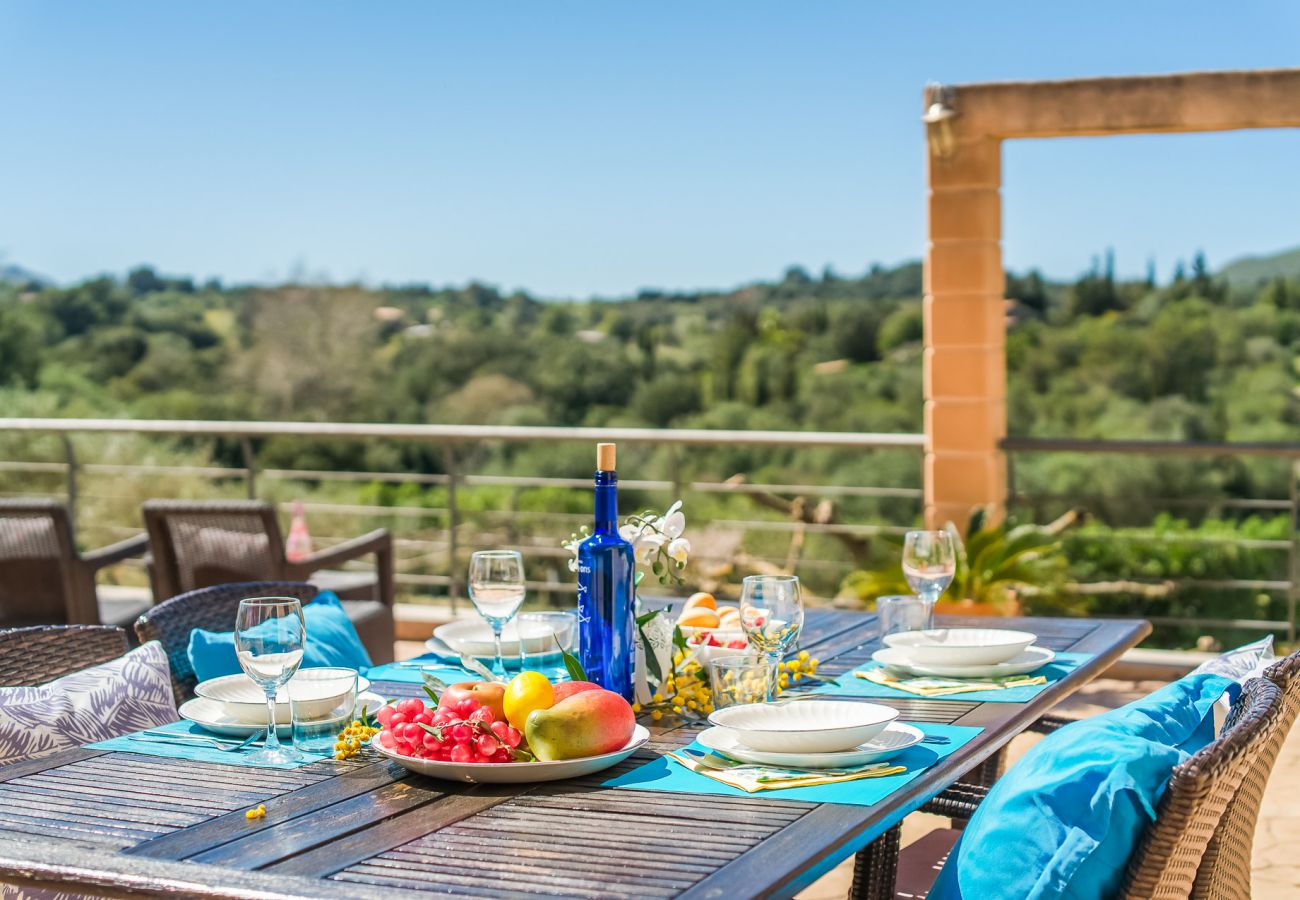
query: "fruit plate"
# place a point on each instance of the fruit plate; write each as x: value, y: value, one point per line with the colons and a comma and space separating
x: 1030, y: 660
x: 896, y: 738
x: 212, y: 716
x: 245, y: 701
x: 520, y: 772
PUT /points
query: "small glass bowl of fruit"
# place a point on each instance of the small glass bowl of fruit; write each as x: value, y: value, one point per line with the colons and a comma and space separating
x: 712, y: 630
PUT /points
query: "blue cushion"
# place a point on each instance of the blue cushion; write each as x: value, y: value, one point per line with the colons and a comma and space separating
x: 1065, y: 818
x: 331, y: 641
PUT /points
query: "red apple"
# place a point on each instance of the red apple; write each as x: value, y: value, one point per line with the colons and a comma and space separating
x: 568, y: 688
x: 488, y: 693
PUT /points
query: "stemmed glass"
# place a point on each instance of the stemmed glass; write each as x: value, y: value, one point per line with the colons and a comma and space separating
x: 929, y: 563
x: 771, y: 615
x: 496, y: 586
x: 269, y: 637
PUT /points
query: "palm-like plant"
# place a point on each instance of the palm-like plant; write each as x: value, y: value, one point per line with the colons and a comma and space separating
x: 997, y: 564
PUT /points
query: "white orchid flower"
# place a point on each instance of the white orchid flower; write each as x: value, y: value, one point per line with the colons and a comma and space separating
x: 628, y: 533
x: 573, y: 564
x: 679, y: 550
x: 646, y: 547
x: 674, y: 524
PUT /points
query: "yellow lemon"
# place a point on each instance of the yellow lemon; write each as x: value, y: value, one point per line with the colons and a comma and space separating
x: 526, y: 692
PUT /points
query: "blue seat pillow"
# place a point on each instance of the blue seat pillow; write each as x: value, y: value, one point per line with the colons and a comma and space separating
x: 331, y: 641
x: 1063, y: 821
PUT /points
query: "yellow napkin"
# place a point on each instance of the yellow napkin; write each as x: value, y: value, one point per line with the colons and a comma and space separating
x: 747, y: 779
x: 941, y: 687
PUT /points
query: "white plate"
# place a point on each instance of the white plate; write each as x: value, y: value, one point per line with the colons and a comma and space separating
x: 804, y: 726
x: 519, y: 772
x: 896, y: 738
x: 1029, y: 661
x: 960, y: 646
x: 245, y: 700
x: 212, y: 716
x: 474, y: 636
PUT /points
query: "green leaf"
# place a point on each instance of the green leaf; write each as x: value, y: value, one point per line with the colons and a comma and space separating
x: 435, y: 730
x: 646, y: 617
x: 571, y: 664
x: 651, y: 660
x: 432, y: 696
x: 471, y: 664
x: 433, y: 685
x: 679, y: 639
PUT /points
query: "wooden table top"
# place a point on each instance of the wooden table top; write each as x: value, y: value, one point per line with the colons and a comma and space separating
x: 130, y: 824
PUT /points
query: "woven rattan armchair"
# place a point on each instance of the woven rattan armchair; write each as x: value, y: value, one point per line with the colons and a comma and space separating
x: 33, y: 656
x: 1171, y: 860
x: 198, y: 545
x: 44, y: 580
x: 1225, y: 868
x: 211, y: 608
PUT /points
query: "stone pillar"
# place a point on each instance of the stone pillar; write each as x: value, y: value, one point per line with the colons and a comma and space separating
x: 965, y: 334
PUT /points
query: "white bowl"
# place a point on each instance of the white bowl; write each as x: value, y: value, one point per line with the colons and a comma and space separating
x: 961, y: 646
x: 516, y: 772
x: 474, y: 637
x: 896, y: 738
x: 804, y: 726
x: 245, y: 701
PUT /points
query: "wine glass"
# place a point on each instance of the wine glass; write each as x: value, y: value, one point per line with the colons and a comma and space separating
x: 269, y: 636
x: 929, y: 562
x: 771, y: 615
x: 496, y: 586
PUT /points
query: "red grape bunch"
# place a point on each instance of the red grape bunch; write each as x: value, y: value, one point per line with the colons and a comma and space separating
x: 467, y: 732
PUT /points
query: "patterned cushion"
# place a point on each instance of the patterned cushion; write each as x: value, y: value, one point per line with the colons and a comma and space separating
x: 128, y: 694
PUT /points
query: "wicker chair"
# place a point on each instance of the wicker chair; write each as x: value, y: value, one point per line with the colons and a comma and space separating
x: 1225, y: 868
x: 45, y: 581
x: 1171, y: 860
x: 198, y: 545
x: 212, y: 608
x: 33, y: 656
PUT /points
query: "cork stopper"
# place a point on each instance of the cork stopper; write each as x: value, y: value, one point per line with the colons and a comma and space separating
x: 605, y: 458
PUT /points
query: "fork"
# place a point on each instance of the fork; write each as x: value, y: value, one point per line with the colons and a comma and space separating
x: 171, y: 737
x: 711, y: 761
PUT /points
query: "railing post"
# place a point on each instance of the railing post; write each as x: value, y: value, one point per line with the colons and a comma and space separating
x: 1293, y: 557
x: 453, y: 522
x: 70, y: 459
x: 250, y: 467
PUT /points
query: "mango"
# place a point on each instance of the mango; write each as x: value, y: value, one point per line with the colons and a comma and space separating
x: 587, y: 723
x: 566, y: 689
x: 701, y: 598
x: 699, y: 617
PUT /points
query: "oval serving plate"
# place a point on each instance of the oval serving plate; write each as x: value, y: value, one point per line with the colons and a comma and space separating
x: 960, y: 646
x: 896, y: 738
x: 805, y: 726
x: 518, y: 772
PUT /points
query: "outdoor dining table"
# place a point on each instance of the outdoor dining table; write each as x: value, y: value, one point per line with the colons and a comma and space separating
x: 119, y: 824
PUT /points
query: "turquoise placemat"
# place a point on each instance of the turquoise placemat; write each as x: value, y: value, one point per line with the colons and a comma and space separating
x: 412, y: 675
x: 445, y: 671
x: 663, y: 774
x: 196, y: 753
x: 849, y: 685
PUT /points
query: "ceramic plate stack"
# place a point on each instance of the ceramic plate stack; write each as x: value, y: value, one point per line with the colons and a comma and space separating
x: 809, y: 733
x: 963, y: 653
x: 235, y: 705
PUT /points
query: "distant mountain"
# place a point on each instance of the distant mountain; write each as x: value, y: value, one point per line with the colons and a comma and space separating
x: 1249, y: 271
x: 19, y: 275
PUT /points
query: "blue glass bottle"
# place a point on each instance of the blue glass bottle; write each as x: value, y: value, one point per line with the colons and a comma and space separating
x: 606, y: 589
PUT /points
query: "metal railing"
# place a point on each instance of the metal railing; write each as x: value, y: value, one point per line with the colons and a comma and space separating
x: 1289, y: 453
x: 455, y: 481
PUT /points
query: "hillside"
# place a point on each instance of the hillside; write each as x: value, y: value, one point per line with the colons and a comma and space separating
x: 1250, y: 271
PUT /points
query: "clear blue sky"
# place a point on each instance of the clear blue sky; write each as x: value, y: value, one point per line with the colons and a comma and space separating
x: 575, y: 148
